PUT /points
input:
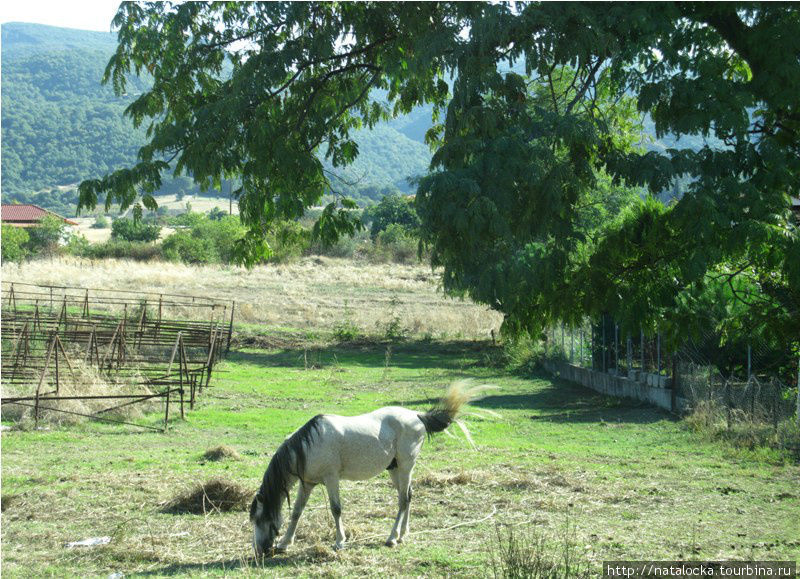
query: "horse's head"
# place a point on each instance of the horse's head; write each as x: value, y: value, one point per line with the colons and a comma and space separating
x: 266, y: 523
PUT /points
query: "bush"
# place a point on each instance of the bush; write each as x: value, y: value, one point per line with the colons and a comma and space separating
x: 45, y: 237
x: 120, y: 249
x: 288, y: 240
x: 130, y: 230
x: 77, y: 244
x: 399, y: 245
x: 531, y: 555
x: 13, y: 243
x: 524, y: 354
x: 203, y: 240
x: 217, y: 214
x: 100, y: 222
x: 346, y: 246
x: 188, y: 248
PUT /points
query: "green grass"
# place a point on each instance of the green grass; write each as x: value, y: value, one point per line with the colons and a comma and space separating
x: 634, y: 482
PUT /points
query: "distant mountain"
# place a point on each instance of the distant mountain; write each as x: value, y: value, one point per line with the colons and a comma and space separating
x: 20, y: 36
x: 61, y: 126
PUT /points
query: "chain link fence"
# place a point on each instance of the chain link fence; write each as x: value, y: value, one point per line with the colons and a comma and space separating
x: 732, y: 384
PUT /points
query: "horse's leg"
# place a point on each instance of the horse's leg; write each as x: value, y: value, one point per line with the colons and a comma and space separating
x: 401, y: 477
x: 407, y: 517
x: 303, y: 492
x: 332, y: 484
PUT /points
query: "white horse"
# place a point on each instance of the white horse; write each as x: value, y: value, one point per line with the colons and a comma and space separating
x: 329, y: 448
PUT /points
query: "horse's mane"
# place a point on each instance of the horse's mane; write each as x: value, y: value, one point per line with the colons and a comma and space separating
x: 289, y: 460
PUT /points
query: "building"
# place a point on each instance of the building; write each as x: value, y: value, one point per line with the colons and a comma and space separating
x: 27, y: 215
x: 796, y: 208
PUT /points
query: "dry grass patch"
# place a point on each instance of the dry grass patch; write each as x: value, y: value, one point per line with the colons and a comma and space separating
x: 221, y: 452
x: 216, y: 494
x: 445, y: 479
x: 311, y: 293
x: 82, y: 380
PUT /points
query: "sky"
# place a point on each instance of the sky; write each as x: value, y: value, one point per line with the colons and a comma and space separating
x: 81, y: 14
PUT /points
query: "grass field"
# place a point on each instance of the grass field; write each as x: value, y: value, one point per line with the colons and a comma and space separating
x: 623, y: 481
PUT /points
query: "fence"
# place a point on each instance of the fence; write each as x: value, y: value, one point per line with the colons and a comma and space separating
x: 758, y: 386
x: 163, y: 346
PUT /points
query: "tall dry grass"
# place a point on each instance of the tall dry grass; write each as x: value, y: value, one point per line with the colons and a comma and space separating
x: 311, y: 293
x: 83, y: 380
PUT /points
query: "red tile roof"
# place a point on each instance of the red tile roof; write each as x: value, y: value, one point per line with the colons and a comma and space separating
x: 27, y: 214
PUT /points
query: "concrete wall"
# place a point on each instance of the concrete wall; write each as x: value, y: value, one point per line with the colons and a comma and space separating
x: 651, y: 389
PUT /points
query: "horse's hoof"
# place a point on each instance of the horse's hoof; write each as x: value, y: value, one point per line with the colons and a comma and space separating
x: 399, y: 540
x: 391, y: 543
x: 338, y: 546
x: 281, y: 549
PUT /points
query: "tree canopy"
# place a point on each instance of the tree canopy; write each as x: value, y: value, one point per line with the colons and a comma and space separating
x: 518, y: 157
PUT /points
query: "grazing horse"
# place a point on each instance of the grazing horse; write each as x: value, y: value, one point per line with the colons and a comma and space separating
x: 329, y: 448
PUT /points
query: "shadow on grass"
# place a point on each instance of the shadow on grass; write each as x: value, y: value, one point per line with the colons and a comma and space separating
x: 240, y: 564
x: 560, y: 401
x: 406, y: 354
x: 549, y: 399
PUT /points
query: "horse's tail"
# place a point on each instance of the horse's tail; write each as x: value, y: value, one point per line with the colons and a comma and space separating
x: 444, y: 413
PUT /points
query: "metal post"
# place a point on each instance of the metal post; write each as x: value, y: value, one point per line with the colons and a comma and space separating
x: 230, y: 327
x: 571, y: 346
x: 641, y: 348
x: 616, y: 348
x: 580, y: 349
x: 605, y: 367
x: 658, y: 351
x: 55, y: 351
x: 166, y: 410
x: 749, y: 363
x: 563, y: 348
x: 629, y: 352
x: 728, y: 402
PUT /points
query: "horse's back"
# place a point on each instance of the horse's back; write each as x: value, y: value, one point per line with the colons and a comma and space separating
x: 360, y: 447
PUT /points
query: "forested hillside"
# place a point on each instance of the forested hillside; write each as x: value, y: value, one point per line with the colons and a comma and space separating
x: 60, y: 125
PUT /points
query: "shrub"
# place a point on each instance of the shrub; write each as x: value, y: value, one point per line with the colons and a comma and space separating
x: 13, y: 243
x: 217, y: 214
x: 120, y: 249
x: 45, y: 237
x: 288, y: 240
x: 188, y: 248
x: 100, y: 222
x: 531, y: 555
x: 130, y: 230
x: 187, y: 219
x: 524, y: 354
x: 346, y: 246
x: 400, y: 245
x: 77, y: 244
x: 205, y: 240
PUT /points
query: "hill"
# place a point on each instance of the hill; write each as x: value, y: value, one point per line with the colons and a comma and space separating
x: 61, y: 126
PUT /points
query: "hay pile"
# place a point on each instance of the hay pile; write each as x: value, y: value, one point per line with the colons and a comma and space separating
x: 215, y: 495
x: 221, y: 452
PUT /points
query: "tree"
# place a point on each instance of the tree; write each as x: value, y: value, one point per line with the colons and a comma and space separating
x: 255, y: 90
x: 132, y: 230
x: 13, y: 243
x: 392, y: 209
